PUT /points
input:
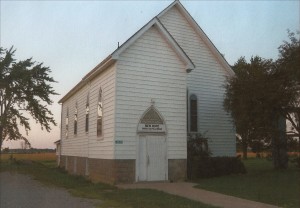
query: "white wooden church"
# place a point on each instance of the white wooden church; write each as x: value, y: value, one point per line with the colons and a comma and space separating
x: 127, y: 120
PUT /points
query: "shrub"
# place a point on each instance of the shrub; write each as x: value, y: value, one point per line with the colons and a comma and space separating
x: 197, y: 149
x: 202, y: 165
x: 216, y: 166
x: 197, y: 146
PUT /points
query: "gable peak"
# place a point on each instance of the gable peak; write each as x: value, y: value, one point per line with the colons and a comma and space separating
x: 182, y: 10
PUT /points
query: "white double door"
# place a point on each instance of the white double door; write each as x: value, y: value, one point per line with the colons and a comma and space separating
x: 152, y: 161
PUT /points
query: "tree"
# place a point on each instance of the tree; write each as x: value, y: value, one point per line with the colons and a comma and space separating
x: 244, y: 96
x: 288, y: 64
x: 24, y: 87
x: 261, y: 95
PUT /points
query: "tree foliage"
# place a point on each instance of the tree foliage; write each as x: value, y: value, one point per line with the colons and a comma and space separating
x: 262, y: 94
x: 245, y: 98
x: 24, y: 87
x: 288, y: 64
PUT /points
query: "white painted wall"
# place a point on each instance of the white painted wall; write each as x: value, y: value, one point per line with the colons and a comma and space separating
x: 206, y: 81
x: 150, y: 69
x: 88, y: 144
x: 289, y: 127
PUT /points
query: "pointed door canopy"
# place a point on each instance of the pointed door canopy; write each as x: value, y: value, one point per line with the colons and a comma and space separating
x: 151, y: 122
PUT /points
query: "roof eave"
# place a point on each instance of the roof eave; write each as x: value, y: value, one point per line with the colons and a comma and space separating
x: 94, y: 72
x: 176, y: 47
x: 115, y: 55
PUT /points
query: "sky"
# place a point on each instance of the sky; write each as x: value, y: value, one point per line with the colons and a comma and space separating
x: 72, y: 37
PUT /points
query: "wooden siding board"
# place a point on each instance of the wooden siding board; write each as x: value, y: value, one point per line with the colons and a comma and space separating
x: 88, y: 144
x: 206, y: 81
x: 149, y: 68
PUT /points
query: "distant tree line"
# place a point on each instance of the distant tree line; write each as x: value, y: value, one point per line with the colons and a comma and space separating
x: 7, y: 150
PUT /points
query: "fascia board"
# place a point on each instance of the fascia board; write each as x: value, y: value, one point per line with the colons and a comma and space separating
x: 175, y: 46
x: 132, y: 39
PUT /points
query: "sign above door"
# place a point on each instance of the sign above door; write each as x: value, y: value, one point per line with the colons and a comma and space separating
x: 151, y: 122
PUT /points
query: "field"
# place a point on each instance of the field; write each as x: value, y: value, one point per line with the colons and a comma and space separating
x: 261, y: 183
x: 265, y: 154
x: 43, y: 168
x: 33, y: 157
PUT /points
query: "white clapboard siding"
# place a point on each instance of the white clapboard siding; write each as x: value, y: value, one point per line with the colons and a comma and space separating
x: 206, y: 81
x: 150, y: 69
x: 88, y: 144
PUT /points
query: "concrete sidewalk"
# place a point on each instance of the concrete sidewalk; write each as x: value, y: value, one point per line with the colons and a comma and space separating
x: 187, y: 190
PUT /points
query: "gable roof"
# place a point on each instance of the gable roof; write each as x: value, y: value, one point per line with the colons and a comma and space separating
x: 108, y: 61
x: 111, y: 59
x: 172, y: 42
x: 200, y: 32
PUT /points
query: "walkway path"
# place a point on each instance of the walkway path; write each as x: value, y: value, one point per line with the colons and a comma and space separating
x: 188, y: 191
x: 18, y: 190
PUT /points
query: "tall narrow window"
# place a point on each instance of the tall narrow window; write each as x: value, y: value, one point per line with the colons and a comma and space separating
x: 75, y: 119
x: 67, y: 123
x: 87, y: 111
x: 193, y: 114
x: 100, y: 114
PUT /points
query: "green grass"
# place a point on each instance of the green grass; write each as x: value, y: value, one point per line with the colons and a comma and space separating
x: 262, y: 183
x: 109, y: 196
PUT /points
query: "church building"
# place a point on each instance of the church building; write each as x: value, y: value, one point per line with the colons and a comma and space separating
x: 128, y: 119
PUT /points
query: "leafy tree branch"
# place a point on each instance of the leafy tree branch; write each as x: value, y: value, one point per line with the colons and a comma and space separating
x: 25, y: 86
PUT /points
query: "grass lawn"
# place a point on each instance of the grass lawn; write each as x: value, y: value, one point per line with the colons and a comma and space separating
x: 262, y: 183
x: 46, y: 172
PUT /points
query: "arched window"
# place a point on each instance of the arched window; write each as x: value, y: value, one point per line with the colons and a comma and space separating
x: 193, y: 114
x: 100, y: 114
x: 87, y: 111
x: 75, y: 119
x: 67, y: 123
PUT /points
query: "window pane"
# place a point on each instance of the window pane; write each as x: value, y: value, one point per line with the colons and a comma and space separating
x: 87, y: 111
x: 87, y: 122
x: 67, y: 123
x: 99, y: 127
x: 75, y: 126
x: 99, y: 114
x: 193, y: 114
x: 75, y: 120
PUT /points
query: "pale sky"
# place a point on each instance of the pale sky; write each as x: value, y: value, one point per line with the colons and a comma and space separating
x: 72, y: 37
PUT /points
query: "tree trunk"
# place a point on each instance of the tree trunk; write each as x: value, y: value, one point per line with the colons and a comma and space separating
x: 1, y: 139
x: 245, y: 147
x: 275, y: 153
x: 280, y: 156
x: 298, y: 144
